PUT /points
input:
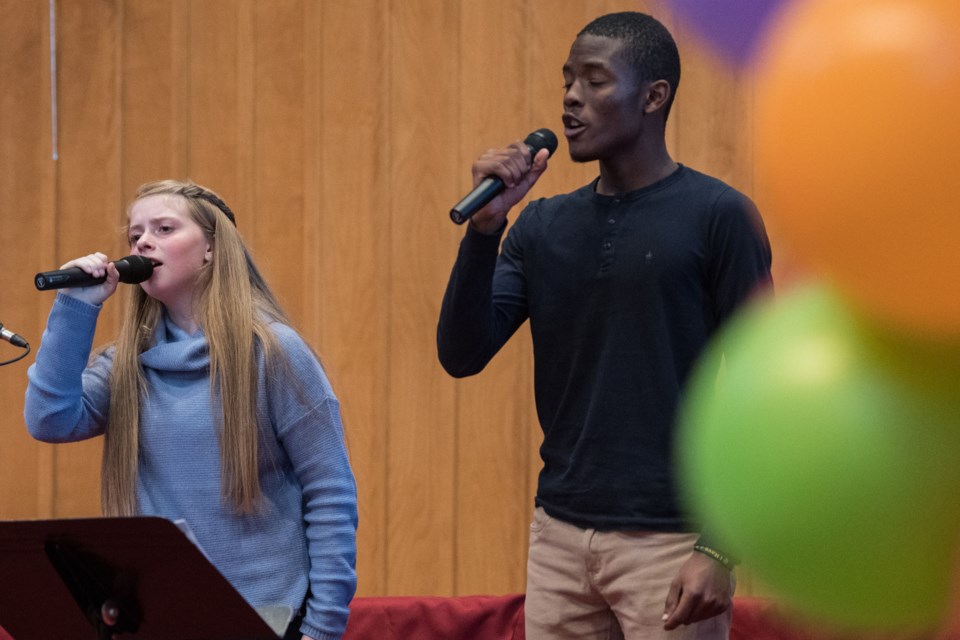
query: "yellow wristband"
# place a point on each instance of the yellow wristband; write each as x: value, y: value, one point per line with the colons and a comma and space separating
x: 716, y: 555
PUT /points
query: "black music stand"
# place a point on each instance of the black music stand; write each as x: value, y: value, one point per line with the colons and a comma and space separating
x: 130, y: 578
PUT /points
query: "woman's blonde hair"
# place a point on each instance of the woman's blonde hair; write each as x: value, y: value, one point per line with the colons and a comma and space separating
x: 234, y: 308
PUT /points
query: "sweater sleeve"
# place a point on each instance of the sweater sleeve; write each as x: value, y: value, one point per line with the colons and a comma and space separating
x: 67, y: 398
x: 485, y: 301
x: 306, y: 416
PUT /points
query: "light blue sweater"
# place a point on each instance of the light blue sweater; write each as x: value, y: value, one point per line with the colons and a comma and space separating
x: 305, y: 533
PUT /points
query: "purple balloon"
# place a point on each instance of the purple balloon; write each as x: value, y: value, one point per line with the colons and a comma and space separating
x: 733, y: 27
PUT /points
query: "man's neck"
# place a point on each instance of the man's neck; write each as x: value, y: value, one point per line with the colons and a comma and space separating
x: 636, y: 170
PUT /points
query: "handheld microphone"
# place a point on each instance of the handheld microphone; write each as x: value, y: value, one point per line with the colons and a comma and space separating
x: 12, y: 338
x: 491, y: 186
x: 133, y: 270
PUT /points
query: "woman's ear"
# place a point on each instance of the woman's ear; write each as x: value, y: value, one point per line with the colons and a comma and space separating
x: 208, y: 254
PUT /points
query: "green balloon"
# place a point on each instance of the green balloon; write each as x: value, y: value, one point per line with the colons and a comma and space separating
x: 826, y: 456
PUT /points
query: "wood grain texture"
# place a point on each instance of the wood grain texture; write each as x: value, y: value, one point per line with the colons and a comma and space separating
x: 421, y: 454
x: 276, y: 222
x: 89, y: 215
x: 27, y: 205
x: 354, y: 253
x: 493, y: 407
x: 216, y: 105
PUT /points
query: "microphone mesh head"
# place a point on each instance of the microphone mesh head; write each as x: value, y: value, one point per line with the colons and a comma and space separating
x: 134, y: 269
x: 542, y: 139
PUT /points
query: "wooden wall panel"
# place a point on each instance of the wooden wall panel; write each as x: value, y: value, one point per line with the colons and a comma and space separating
x: 310, y: 273
x: 27, y: 205
x: 89, y: 214
x: 153, y: 84
x: 424, y: 176
x: 493, y: 408
x: 215, y: 112
x: 353, y: 288
x: 341, y: 133
x: 276, y: 224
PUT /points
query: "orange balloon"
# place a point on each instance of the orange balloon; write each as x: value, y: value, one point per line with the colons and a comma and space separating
x: 858, y: 134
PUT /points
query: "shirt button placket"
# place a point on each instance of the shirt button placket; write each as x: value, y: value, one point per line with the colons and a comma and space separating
x: 606, y: 245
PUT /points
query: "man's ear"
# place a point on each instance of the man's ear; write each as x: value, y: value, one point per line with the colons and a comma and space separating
x: 657, y: 96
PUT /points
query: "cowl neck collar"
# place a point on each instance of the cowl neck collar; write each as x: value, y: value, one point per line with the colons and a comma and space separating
x: 176, y: 350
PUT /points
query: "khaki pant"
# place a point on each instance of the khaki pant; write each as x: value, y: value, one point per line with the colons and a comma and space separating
x: 586, y: 584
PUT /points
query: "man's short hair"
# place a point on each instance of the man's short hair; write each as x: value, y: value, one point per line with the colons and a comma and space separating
x: 650, y: 49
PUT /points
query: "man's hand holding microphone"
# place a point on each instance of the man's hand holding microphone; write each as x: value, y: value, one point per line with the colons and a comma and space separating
x: 502, y: 178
